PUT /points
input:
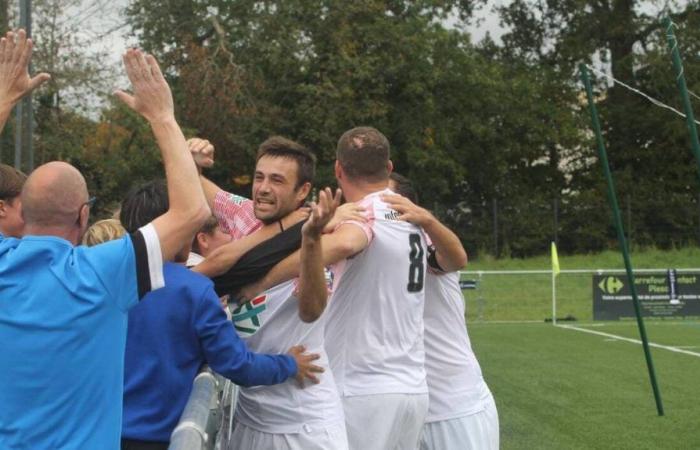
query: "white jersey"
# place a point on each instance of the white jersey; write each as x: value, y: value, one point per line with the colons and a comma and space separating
x: 456, y: 385
x: 374, y: 333
x: 270, y: 323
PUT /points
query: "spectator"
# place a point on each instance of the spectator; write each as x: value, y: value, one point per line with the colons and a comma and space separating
x: 210, y: 237
x: 103, y: 231
x: 64, y: 308
x: 11, y: 182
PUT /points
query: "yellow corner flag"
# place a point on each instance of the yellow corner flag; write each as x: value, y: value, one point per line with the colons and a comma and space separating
x: 555, y: 260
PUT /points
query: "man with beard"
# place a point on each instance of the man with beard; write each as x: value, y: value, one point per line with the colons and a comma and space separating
x: 281, y: 416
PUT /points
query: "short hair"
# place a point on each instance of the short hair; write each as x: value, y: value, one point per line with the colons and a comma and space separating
x: 404, y: 186
x: 143, y: 204
x: 363, y: 153
x: 208, y: 228
x: 11, y: 182
x: 103, y: 231
x: 280, y: 147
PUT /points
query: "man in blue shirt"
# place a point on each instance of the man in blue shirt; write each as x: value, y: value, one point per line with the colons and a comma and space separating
x: 176, y: 330
x: 63, y: 309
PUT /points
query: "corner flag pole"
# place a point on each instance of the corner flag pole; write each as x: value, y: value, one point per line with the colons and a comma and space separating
x: 680, y: 81
x: 555, y: 272
x: 621, y: 235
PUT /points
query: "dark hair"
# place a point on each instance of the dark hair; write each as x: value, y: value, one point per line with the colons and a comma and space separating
x: 404, y: 186
x: 280, y: 147
x: 143, y: 204
x: 363, y: 153
x: 11, y: 182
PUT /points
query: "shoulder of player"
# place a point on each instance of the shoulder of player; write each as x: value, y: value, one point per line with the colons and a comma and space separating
x: 176, y: 273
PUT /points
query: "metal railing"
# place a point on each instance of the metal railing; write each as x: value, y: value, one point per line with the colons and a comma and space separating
x: 206, y: 422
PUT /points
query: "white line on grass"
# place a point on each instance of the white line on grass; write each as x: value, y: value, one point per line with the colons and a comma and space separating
x: 634, y: 341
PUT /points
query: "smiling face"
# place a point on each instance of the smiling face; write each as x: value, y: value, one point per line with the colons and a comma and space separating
x: 275, y: 193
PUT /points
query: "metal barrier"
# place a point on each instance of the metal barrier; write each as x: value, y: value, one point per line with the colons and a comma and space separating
x: 206, y: 422
x: 197, y: 427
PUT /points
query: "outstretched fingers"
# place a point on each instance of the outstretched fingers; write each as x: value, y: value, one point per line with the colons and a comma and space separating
x: 20, y: 46
x: 154, y: 69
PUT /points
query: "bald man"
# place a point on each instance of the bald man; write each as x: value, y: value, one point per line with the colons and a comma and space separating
x: 63, y: 309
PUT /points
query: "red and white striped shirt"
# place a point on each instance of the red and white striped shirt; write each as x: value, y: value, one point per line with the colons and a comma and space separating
x: 235, y: 214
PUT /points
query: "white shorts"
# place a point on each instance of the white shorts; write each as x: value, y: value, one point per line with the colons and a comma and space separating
x: 477, y: 431
x: 331, y: 437
x: 385, y: 421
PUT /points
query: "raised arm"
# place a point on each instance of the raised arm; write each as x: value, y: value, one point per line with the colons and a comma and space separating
x: 15, y: 81
x: 449, y: 252
x: 312, y: 291
x: 153, y: 100
x: 202, y: 152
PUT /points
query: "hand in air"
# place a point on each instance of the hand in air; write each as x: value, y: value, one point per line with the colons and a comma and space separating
x: 202, y: 151
x: 151, y: 97
x: 15, y: 82
x: 321, y: 213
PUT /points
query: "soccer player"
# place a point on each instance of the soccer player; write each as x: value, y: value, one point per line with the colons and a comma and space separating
x: 64, y: 309
x: 282, y: 416
x: 374, y: 330
x: 462, y: 414
x: 178, y: 329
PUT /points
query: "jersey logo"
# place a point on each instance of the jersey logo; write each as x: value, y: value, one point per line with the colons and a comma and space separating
x: 236, y: 199
x: 245, y: 317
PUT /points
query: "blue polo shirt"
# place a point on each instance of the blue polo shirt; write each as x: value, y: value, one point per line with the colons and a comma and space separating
x: 63, y: 317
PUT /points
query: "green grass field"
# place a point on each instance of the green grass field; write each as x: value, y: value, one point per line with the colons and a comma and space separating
x: 529, y: 296
x: 560, y: 388
x: 557, y: 388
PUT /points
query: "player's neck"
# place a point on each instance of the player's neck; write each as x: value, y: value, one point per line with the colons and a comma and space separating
x: 357, y: 190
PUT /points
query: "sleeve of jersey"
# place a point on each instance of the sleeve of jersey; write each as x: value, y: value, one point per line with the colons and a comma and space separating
x: 130, y: 267
x: 227, y: 354
x: 230, y: 209
x: 149, y: 260
x: 255, y: 263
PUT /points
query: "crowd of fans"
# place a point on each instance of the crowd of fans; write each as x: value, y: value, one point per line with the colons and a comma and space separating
x: 342, y: 324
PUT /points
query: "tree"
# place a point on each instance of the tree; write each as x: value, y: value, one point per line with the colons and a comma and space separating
x: 647, y: 147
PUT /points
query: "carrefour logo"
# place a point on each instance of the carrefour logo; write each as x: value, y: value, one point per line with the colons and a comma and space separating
x: 246, y: 318
x: 611, y: 285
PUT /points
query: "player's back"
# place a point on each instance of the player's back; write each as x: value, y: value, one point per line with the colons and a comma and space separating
x: 374, y: 329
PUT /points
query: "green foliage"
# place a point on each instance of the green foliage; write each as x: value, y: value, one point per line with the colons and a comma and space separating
x: 495, y: 136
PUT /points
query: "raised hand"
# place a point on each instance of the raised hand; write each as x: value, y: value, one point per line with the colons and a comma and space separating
x: 152, y: 97
x: 321, y: 213
x: 15, y: 82
x: 202, y: 151
x: 305, y: 369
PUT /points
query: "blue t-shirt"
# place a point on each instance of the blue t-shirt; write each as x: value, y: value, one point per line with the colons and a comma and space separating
x: 172, y: 333
x: 63, y: 317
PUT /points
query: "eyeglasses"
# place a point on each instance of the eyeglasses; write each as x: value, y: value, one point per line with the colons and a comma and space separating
x: 89, y: 203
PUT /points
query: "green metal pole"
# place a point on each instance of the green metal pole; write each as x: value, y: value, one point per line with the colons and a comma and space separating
x: 680, y: 81
x: 621, y: 236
